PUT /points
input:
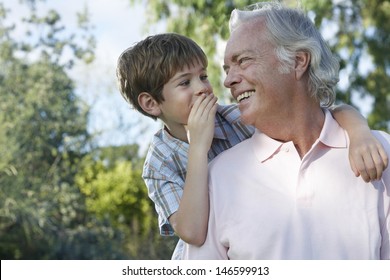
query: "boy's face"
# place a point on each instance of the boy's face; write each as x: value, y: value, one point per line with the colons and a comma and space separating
x: 180, y: 94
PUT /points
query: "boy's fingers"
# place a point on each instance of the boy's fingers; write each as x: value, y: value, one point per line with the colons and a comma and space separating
x: 211, y: 107
x: 361, y: 166
x: 376, y: 163
x: 370, y: 163
x: 205, y: 104
x: 384, y: 157
x: 354, y: 168
x: 196, y: 106
x: 210, y: 103
x: 381, y: 161
x: 374, y: 168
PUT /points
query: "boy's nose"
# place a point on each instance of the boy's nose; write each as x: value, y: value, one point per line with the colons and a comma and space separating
x: 202, y: 88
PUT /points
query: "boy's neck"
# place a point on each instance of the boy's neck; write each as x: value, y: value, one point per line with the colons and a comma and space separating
x: 178, y: 133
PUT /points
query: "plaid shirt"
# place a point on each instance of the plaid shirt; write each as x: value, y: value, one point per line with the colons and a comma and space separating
x: 165, y: 166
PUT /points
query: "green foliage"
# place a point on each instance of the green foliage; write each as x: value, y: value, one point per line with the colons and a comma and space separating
x: 363, y: 31
x: 363, y: 28
x: 115, y: 192
x: 48, y: 35
x: 43, y: 139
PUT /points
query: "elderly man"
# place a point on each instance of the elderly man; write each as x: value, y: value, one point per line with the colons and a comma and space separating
x: 288, y: 192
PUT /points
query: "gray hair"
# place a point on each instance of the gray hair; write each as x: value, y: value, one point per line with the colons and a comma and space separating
x: 290, y: 30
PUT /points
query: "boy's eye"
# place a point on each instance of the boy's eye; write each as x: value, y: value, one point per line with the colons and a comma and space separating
x: 185, y: 83
x: 204, y: 77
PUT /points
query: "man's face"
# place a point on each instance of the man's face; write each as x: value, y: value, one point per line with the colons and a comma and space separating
x: 253, y: 77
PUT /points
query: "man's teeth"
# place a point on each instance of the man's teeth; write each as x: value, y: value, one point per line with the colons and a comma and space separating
x: 244, y: 95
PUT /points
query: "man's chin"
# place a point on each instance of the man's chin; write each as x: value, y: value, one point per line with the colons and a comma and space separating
x: 245, y: 120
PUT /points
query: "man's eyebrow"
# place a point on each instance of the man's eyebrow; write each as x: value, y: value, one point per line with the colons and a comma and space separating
x: 233, y: 59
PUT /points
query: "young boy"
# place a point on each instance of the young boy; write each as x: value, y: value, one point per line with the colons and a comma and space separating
x: 165, y: 77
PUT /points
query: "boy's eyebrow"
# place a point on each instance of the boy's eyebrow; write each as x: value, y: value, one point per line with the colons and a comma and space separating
x: 184, y: 74
x: 180, y: 76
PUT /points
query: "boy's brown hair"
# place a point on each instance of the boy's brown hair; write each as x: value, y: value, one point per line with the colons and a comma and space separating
x: 151, y: 63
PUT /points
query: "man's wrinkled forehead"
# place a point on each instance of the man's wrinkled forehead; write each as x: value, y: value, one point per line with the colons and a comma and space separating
x: 243, y: 39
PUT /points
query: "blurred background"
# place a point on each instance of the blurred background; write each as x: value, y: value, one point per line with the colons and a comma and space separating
x: 71, y: 149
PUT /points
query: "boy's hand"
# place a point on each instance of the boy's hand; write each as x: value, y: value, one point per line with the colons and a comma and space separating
x: 367, y: 157
x: 201, y: 121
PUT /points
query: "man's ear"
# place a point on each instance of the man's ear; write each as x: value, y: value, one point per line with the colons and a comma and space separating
x: 149, y: 104
x: 302, y: 63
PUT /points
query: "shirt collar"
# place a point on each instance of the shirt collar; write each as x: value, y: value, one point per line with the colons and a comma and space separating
x: 332, y: 135
x: 218, y: 130
x: 264, y: 145
x: 228, y: 114
x: 174, y: 143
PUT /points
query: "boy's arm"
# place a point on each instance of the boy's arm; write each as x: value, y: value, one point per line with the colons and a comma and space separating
x: 191, y: 219
x: 366, y: 154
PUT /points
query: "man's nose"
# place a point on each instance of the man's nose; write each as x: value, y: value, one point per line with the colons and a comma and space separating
x: 231, y: 78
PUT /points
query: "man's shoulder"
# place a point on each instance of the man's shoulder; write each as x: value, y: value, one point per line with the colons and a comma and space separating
x: 229, y: 112
x: 234, y: 153
x: 381, y: 132
x: 229, y: 115
x: 383, y: 137
x: 226, y: 108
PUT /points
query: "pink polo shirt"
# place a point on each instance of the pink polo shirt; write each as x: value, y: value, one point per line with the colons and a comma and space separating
x: 268, y: 203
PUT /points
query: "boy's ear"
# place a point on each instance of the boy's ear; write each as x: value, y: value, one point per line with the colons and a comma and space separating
x: 149, y: 104
x: 302, y: 63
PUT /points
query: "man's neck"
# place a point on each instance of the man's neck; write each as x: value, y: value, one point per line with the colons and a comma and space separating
x: 302, y: 127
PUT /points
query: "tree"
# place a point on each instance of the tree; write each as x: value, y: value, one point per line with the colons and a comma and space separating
x: 114, y: 191
x: 43, y: 140
x: 362, y: 32
x: 363, y: 28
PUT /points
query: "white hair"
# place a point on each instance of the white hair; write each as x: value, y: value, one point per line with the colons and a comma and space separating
x: 291, y: 31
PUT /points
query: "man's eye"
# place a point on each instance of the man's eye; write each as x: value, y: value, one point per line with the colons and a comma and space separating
x: 243, y: 59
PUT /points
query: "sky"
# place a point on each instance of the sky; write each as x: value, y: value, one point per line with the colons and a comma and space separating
x: 117, y: 26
